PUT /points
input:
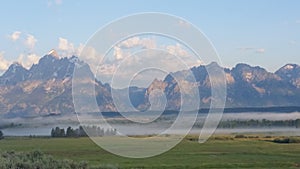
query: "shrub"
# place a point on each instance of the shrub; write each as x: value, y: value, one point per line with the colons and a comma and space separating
x: 287, y: 140
x: 36, y: 159
x: 1, y: 135
x: 240, y: 136
x: 253, y: 136
x: 268, y: 136
x: 294, y: 140
x: 223, y: 138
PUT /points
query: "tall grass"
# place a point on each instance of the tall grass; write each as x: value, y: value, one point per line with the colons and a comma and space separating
x: 36, y: 160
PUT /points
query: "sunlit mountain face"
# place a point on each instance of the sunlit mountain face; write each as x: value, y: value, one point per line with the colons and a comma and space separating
x: 46, y: 87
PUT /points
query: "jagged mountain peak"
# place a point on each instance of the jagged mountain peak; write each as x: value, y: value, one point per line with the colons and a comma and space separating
x: 53, y: 53
x: 156, y: 84
x: 251, y: 74
x: 213, y: 64
x: 290, y: 73
x: 290, y: 66
x: 244, y: 66
x: 15, y: 67
x: 49, y: 66
x: 48, y: 58
x: 16, y: 64
x: 14, y: 74
x: 46, y: 87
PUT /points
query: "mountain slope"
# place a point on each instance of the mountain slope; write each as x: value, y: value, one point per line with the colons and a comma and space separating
x: 46, y: 88
x: 247, y: 86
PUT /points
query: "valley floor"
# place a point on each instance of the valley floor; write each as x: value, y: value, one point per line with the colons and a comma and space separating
x: 221, y: 151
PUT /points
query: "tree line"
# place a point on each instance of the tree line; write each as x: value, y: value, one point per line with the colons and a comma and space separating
x: 259, y: 123
x: 254, y: 123
x: 82, y: 131
x: 1, y: 135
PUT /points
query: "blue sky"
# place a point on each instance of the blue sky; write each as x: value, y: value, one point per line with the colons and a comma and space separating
x: 264, y: 33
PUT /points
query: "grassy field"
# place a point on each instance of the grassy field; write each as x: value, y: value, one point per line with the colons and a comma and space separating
x: 218, y: 152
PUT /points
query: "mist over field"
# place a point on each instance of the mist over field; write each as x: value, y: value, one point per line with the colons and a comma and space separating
x: 43, y: 125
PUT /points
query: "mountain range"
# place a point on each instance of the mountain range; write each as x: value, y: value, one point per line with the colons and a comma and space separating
x: 46, y: 88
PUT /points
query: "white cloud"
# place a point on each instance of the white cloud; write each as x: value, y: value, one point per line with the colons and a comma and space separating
x: 184, y: 23
x: 106, y: 69
x: 28, y: 60
x: 67, y: 48
x: 30, y: 41
x: 86, y: 53
x: 138, y: 42
x: 246, y: 48
x: 58, y: 2
x: 54, y: 2
x: 65, y: 45
x: 4, y: 64
x: 119, y: 53
x: 89, y: 55
x: 127, y: 54
x: 252, y: 49
x: 293, y: 42
x: 137, y: 53
x: 260, y: 50
x: 15, y: 35
x: 121, y: 50
x: 79, y: 49
x: 159, y: 60
x: 177, y: 50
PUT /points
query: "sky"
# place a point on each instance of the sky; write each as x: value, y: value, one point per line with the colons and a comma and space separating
x: 257, y: 32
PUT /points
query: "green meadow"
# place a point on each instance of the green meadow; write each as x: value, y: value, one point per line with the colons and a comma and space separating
x: 219, y: 152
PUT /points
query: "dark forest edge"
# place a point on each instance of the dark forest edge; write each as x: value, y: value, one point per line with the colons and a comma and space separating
x: 82, y: 131
x: 264, y: 123
x: 281, y: 109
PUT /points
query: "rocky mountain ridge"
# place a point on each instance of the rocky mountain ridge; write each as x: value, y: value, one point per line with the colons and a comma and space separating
x: 46, y: 88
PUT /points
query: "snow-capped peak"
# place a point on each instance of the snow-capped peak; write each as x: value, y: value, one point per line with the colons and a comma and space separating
x: 53, y: 53
x: 289, y: 67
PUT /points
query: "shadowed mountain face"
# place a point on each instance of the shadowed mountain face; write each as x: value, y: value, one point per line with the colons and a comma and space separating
x: 247, y: 86
x: 254, y: 86
x: 290, y: 73
x: 46, y: 88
